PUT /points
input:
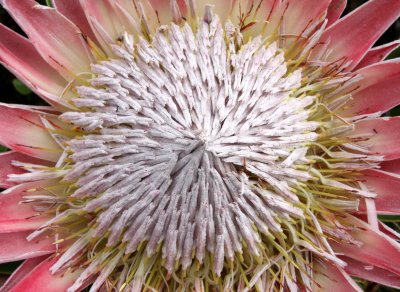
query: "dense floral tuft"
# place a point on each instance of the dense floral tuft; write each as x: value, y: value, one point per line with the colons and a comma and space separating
x: 200, y: 145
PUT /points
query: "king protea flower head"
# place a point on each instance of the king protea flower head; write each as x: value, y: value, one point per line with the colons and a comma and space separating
x: 200, y: 145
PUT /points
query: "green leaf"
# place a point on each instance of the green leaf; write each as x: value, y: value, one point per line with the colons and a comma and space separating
x: 49, y: 3
x: 3, y: 149
x: 389, y: 218
x: 20, y: 87
x: 394, y: 54
x: 8, y: 268
x: 395, y: 112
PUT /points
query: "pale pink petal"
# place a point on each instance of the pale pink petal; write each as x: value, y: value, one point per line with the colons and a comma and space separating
x: 40, y: 279
x: 22, y: 130
x: 371, y: 273
x: 387, y: 188
x: 352, y: 36
x: 165, y: 4
x: 137, y: 16
x: 377, y: 54
x: 15, y: 247
x: 73, y: 10
x: 374, y: 74
x: 382, y: 136
x: 17, y: 216
x: 377, y: 248
x: 300, y: 15
x: 20, y: 57
x: 293, y: 20
x: 392, y: 166
x: 369, y: 94
x: 107, y: 25
x: 335, y: 10
x: 269, y: 13
x: 56, y: 38
x: 38, y: 108
x: 381, y: 96
x: 159, y: 12
x: 389, y: 231
x: 382, y: 226
x: 164, y: 7
x: 23, y: 270
x: 7, y: 168
x: 328, y: 277
x: 145, y: 15
x: 226, y: 9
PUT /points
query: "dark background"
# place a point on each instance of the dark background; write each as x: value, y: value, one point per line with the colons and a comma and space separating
x: 13, y: 91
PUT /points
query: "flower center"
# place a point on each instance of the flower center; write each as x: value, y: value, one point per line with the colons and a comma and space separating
x: 192, y: 141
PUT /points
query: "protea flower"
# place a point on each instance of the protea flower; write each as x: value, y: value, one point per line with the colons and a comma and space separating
x: 200, y: 145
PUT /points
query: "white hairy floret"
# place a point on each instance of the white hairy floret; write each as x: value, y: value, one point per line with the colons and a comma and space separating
x: 182, y: 136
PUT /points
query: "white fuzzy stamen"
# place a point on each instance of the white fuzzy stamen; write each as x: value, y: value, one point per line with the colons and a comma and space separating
x: 180, y: 132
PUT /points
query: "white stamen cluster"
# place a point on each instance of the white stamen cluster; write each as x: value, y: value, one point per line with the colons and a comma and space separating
x: 192, y: 141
